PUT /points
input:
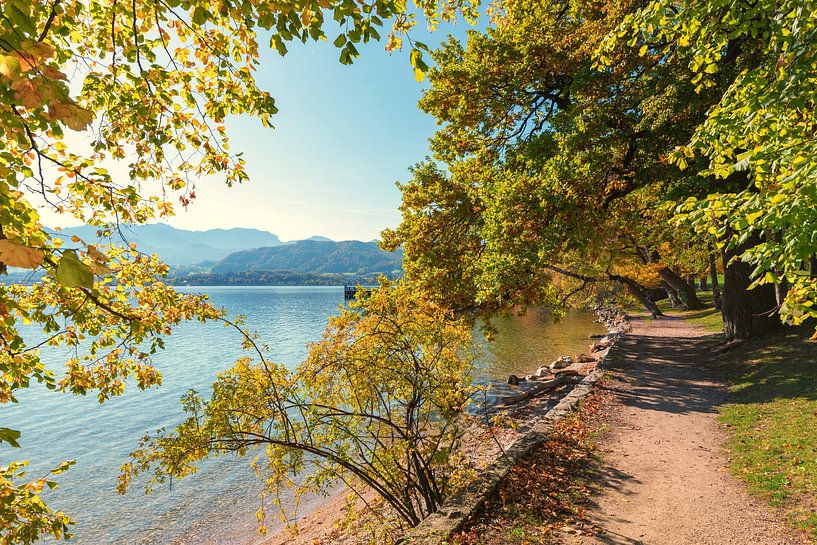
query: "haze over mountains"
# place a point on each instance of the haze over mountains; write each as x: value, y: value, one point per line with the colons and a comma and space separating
x: 247, y: 256
x: 180, y: 247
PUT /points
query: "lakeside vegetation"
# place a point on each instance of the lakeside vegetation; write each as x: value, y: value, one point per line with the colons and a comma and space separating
x: 585, y: 152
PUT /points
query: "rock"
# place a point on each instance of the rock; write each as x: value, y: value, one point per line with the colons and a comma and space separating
x: 513, y: 380
x: 568, y: 373
x: 532, y: 377
x: 561, y: 363
x: 596, y: 336
x: 543, y: 371
x: 599, y: 347
x: 584, y: 358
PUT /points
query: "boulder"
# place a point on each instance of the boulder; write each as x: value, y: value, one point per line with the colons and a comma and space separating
x: 599, y: 347
x: 543, y: 371
x: 561, y: 363
x: 584, y: 358
x: 513, y: 380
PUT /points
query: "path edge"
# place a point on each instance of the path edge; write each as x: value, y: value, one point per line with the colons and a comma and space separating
x: 468, y: 502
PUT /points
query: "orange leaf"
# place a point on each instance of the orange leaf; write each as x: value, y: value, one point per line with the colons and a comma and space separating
x: 25, y: 91
x: 17, y: 255
x: 73, y: 116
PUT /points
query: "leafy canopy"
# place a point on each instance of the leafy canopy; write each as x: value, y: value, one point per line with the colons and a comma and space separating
x: 92, y: 88
x: 555, y: 171
x: 760, y: 133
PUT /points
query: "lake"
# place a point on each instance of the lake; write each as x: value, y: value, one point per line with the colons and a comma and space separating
x: 218, y: 504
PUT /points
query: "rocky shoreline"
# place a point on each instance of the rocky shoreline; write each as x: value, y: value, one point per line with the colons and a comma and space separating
x: 567, y: 369
x: 538, y: 414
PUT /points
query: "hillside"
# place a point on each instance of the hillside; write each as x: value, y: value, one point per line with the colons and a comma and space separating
x: 314, y: 256
x: 181, y: 247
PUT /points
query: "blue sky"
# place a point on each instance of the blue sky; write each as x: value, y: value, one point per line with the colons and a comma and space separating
x: 342, y: 138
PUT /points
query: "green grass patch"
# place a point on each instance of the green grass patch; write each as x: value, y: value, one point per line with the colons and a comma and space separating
x: 772, y: 419
x: 709, y: 318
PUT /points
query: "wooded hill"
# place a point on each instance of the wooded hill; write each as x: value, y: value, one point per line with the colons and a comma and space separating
x: 314, y: 256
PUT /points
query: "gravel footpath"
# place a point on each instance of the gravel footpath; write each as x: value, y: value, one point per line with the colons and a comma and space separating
x: 664, y: 475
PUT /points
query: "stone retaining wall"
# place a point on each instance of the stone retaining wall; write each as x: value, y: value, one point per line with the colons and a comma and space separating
x: 468, y: 502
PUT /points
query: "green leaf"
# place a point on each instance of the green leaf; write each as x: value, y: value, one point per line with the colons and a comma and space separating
x: 340, y: 40
x: 10, y: 436
x: 200, y: 15
x: 73, y: 273
x: 420, y: 67
x: 63, y: 467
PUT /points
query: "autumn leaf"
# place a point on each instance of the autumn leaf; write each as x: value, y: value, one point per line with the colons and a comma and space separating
x: 18, y: 255
x: 99, y: 269
x: 73, y: 116
x: 26, y: 92
x: 97, y: 255
x: 73, y: 273
x: 9, y: 66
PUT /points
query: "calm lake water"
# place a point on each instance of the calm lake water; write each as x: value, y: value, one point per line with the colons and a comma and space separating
x: 217, y: 505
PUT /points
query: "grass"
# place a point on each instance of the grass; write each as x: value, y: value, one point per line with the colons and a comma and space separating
x: 772, y: 419
x: 709, y: 318
x: 772, y: 415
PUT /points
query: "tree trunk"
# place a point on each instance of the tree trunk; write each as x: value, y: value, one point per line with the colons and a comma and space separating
x: 813, y: 265
x: 636, y: 291
x: 672, y: 295
x: 713, y: 274
x: 703, y: 283
x: 689, y: 298
x: 781, y: 289
x: 746, y: 313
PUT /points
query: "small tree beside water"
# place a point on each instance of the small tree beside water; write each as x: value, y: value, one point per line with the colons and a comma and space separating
x: 377, y: 404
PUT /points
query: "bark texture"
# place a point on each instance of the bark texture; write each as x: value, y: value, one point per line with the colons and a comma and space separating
x: 746, y: 313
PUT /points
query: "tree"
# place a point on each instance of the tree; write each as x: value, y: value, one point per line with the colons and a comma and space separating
x: 552, y: 168
x: 150, y: 86
x: 378, y: 403
x: 758, y: 139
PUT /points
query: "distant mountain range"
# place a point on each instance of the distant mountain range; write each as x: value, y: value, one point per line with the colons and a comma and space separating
x: 252, y: 256
x: 179, y: 247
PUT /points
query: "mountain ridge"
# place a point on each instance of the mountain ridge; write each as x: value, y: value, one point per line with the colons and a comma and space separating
x: 186, y: 247
x: 244, y: 255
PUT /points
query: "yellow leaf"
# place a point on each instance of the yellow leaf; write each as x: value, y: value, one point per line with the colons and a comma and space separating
x: 17, y: 255
x: 9, y: 66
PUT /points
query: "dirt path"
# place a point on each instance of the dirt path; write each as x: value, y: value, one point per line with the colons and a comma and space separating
x: 664, y: 476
